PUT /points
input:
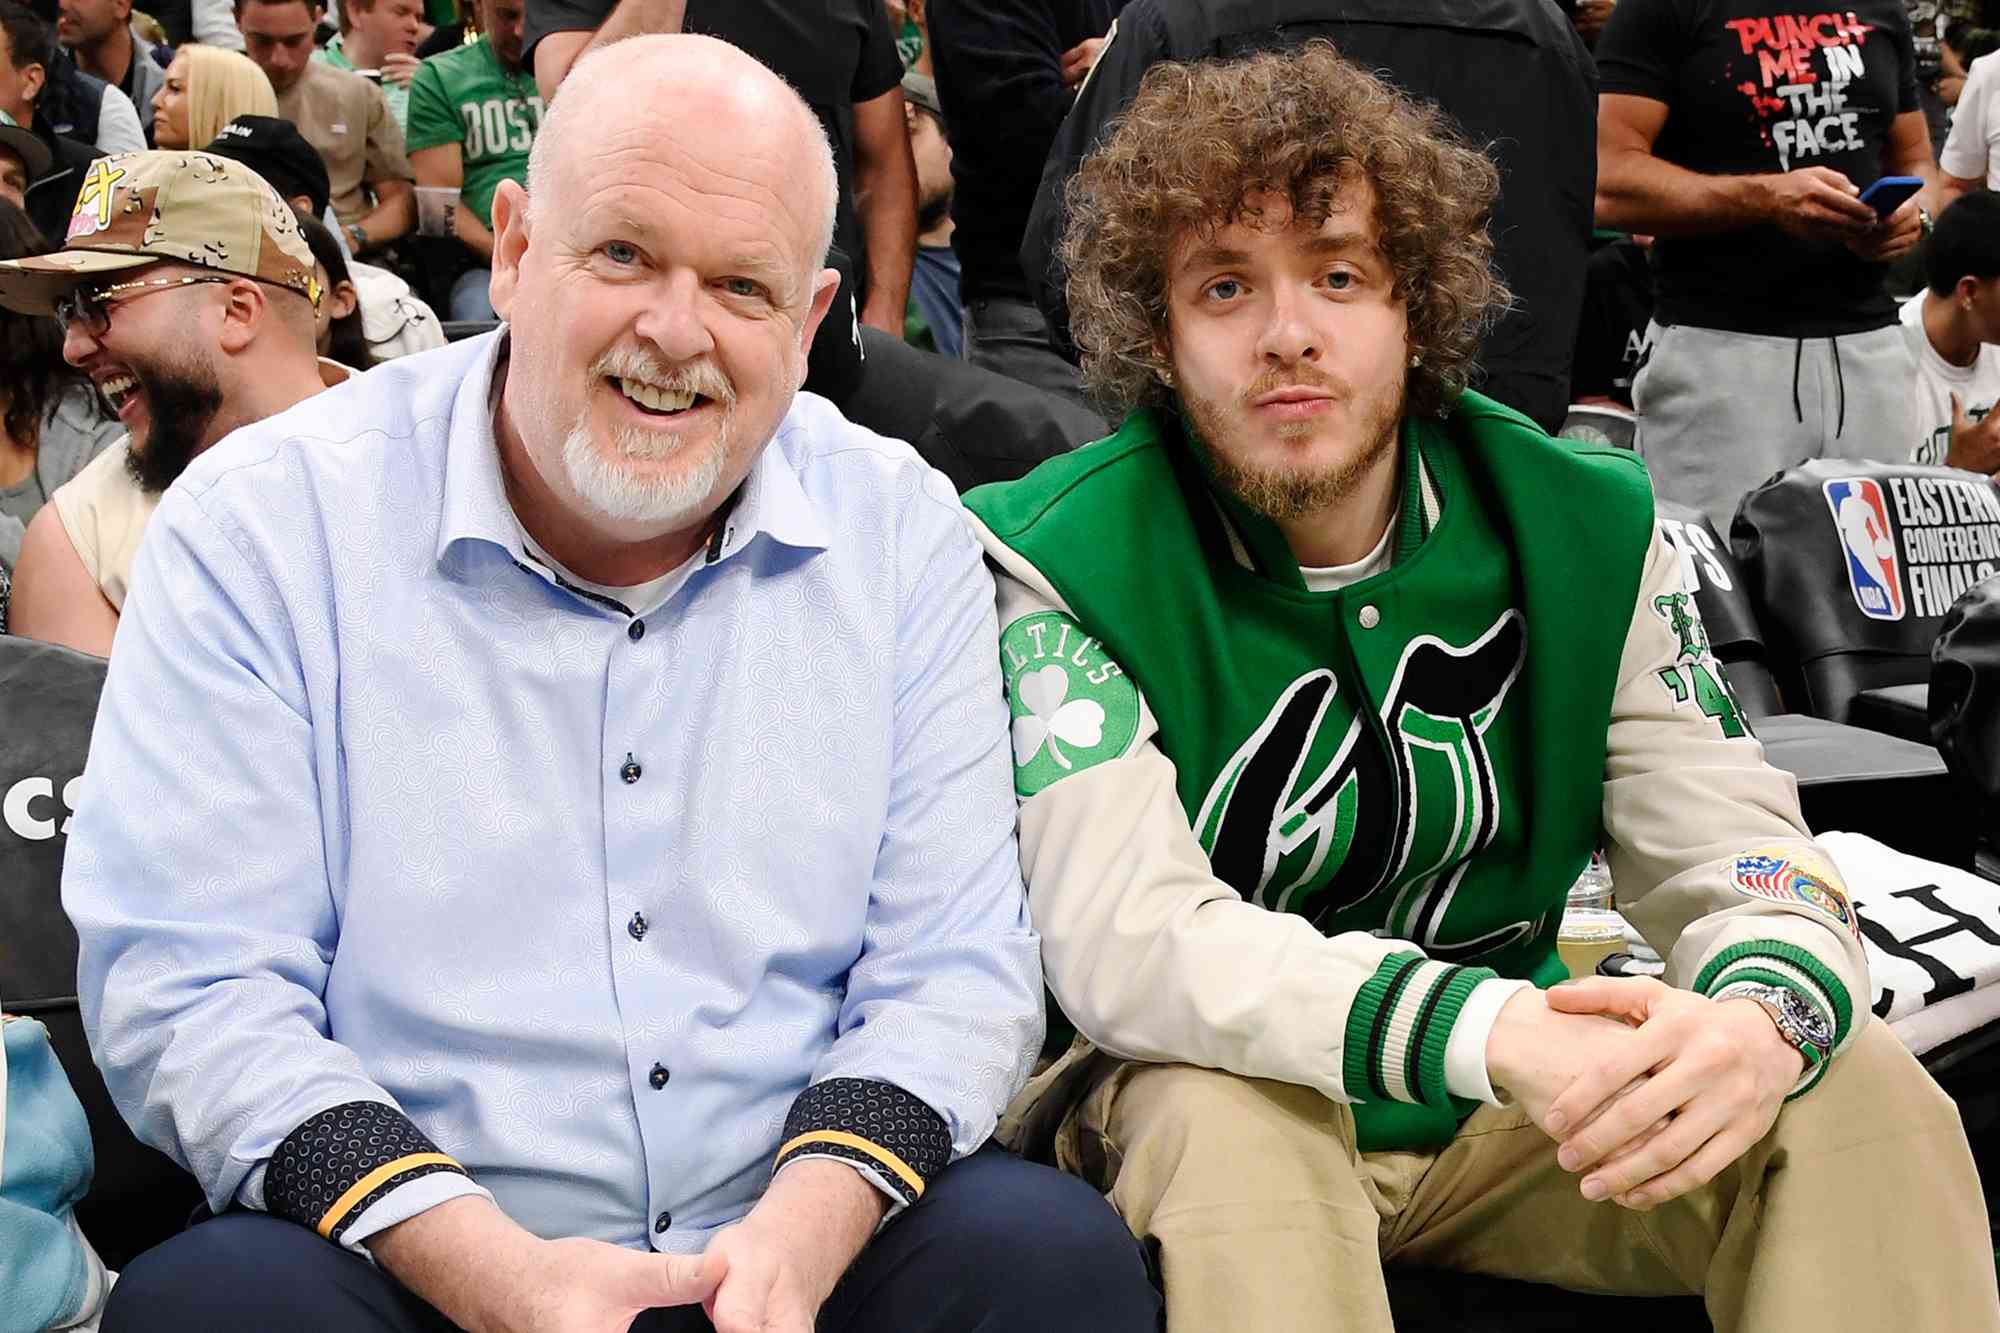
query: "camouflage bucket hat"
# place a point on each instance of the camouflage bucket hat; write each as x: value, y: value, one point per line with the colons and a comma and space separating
x: 140, y: 208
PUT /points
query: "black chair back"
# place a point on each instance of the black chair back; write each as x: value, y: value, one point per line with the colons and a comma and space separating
x: 1853, y: 565
x: 48, y: 702
x: 1965, y: 691
x: 1709, y: 570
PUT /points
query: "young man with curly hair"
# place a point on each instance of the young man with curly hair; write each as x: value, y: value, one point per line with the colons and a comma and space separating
x: 1327, y: 676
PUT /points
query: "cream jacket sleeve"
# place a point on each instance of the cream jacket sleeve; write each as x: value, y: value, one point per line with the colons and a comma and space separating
x: 1710, y: 858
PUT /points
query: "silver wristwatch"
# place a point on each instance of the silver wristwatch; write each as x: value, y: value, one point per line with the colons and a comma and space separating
x: 1798, y: 1022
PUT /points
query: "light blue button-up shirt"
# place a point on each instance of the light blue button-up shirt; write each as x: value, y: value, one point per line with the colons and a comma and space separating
x: 360, y: 825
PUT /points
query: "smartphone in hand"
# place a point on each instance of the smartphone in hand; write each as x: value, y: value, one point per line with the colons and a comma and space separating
x: 1890, y: 193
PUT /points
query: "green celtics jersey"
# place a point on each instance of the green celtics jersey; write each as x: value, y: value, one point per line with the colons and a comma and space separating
x: 464, y: 97
x: 1416, y: 756
x: 395, y: 94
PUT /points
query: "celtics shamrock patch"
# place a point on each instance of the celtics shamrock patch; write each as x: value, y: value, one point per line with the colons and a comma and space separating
x: 1073, y: 707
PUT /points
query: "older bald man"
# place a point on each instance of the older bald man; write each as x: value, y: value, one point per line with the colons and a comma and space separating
x: 551, y: 828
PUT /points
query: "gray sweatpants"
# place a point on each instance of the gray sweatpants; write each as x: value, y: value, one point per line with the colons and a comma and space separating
x: 1720, y: 413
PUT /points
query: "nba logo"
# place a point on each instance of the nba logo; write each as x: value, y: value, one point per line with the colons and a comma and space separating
x: 1862, y: 519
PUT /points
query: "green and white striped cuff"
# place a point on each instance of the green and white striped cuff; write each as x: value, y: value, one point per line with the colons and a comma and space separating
x: 1399, y: 1026
x: 1775, y: 963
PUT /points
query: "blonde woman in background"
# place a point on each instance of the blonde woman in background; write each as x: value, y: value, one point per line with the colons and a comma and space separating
x: 206, y: 88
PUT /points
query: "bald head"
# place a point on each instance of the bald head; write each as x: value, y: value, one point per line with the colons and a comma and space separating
x: 706, y: 98
x: 662, y: 280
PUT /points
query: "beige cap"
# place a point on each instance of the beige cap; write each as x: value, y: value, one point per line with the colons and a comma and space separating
x: 140, y: 208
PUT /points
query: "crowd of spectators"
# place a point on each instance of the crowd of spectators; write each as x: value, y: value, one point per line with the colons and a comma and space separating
x: 1684, y: 223
x: 1694, y: 253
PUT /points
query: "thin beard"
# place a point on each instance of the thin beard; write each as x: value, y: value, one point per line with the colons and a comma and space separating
x: 1282, y: 493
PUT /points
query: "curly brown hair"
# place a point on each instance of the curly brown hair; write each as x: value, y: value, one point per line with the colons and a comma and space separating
x: 1199, y: 139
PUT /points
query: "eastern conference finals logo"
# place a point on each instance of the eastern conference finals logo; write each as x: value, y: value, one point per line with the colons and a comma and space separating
x: 1949, y: 533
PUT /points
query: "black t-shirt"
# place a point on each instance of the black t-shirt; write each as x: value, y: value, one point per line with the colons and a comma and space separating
x: 1611, y: 335
x: 1754, y: 87
x: 999, y: 77
x: 833, y: 52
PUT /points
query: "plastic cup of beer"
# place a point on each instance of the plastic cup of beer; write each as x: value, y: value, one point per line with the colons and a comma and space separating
x: 435, y: 204
x: 1591, y: 930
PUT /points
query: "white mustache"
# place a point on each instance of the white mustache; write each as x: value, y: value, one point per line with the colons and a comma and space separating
x: 703, y: 377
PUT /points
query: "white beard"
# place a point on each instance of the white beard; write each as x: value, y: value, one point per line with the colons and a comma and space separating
x: 664, y: 499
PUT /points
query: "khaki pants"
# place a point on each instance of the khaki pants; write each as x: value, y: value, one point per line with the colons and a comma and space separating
x: 1860, y: 1210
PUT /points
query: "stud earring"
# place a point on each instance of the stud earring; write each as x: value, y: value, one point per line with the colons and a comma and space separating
x: 1416, y: 359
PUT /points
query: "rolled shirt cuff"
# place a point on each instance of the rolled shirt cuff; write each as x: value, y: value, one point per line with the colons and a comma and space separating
x: 1465, y: 1072
x: 342, y: 1163
x: 404, y: 1202
x: 893, y: 1138
x: 897, y: 1195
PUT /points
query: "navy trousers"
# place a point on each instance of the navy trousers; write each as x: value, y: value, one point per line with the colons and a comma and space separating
x: 996, y: 1245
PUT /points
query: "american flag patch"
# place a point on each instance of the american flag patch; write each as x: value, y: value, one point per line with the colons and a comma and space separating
x: 1781, y: 880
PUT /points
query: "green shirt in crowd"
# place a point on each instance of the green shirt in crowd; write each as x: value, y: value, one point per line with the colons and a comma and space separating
x: 395, y: 94
x: 465, y: 97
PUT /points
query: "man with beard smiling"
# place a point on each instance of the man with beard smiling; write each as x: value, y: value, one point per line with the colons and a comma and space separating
x: 619, y: 912
x: 187, y: 294
x: 1327, y: 677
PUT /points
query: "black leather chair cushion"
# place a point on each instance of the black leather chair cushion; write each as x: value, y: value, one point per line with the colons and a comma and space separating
x: 1898, y: 710
x: 48, y: 701
x: 1964, y: 709
x: 1853, y: 565
x: 1709, y: 569
x: 1894, y: 790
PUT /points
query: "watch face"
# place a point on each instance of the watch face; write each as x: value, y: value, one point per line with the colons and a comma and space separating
x: 1810, y: 1024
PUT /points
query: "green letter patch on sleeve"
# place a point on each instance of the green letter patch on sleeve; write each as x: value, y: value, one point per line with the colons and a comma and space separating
x: 1073, y: 707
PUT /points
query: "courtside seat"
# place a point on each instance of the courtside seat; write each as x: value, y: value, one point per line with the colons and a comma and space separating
x: 1897, y: 791
x: 1886, y: 782
x: 1896, y: 710
x: 1853, y: 565
x: 1708, y: 568
x: 1964, y: 708
x: 48, y: 700
x: 1965, y: 691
